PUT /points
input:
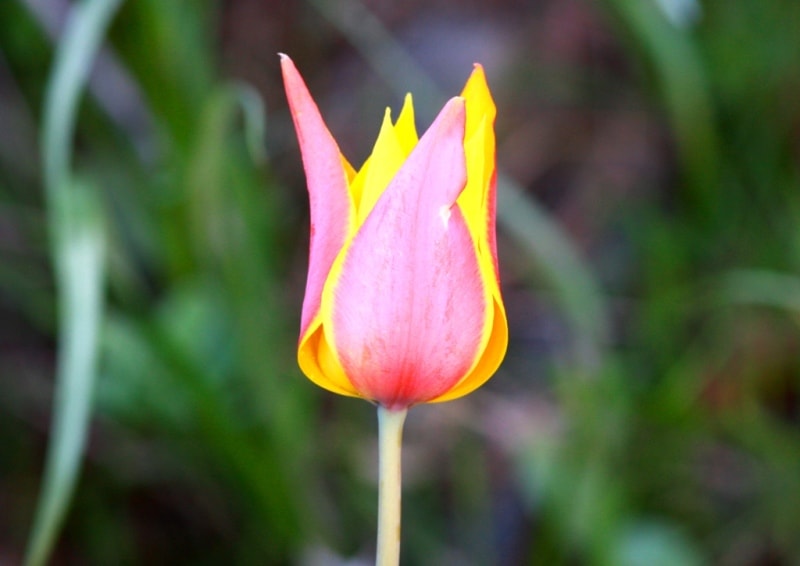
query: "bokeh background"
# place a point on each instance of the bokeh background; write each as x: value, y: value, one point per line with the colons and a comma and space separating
x: 648, y: 411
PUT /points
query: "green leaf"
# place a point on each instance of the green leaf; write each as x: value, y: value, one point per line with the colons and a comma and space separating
x: 78, y: 246
x: 79, y: 254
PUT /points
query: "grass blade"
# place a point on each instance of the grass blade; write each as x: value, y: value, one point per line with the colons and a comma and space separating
x: 75, y: 223
x: 85, y: 29
x: 79, y: 251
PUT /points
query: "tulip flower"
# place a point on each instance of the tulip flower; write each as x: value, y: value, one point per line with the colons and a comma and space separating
x: 402, y: 302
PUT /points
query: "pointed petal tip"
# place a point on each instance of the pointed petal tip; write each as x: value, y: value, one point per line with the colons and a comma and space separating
x: 288, y: 68
x: 286, y: 61
x: 477, y: 69
x: 455, y: 104
x: 452, y: 115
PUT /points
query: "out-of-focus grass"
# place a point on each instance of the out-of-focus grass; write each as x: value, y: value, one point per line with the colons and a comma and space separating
x: 647, y: 413
x: 76, y: 229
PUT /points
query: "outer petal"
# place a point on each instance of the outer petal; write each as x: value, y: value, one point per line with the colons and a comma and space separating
x: 406, y: 306
x: 491, y: 357
x: 332, y: 211
x: 332, y: 221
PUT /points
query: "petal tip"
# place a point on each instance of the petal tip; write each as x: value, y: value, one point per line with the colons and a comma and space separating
x: 455, y: 105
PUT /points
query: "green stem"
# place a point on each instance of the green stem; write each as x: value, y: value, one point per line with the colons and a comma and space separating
x: 390, y: 440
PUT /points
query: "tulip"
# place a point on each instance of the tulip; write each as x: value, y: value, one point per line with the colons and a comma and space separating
x: 402, y: 302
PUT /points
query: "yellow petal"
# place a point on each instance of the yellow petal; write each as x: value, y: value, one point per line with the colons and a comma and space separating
x: 479, y: 101
x: 357, y: 184
x: 473, y: 200
x: 405, y: 129
x: 479, y: 147
x: 319, y: 364
x: 386, y: 158
x: 349, y: 172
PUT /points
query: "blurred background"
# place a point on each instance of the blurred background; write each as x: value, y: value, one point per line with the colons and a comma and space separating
x: 648, y: 411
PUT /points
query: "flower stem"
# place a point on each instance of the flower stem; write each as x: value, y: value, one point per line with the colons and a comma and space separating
x: 390, y: 439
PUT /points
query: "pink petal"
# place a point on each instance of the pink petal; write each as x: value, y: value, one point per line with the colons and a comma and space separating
x: 331, y: 206
x: 409, y: 306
